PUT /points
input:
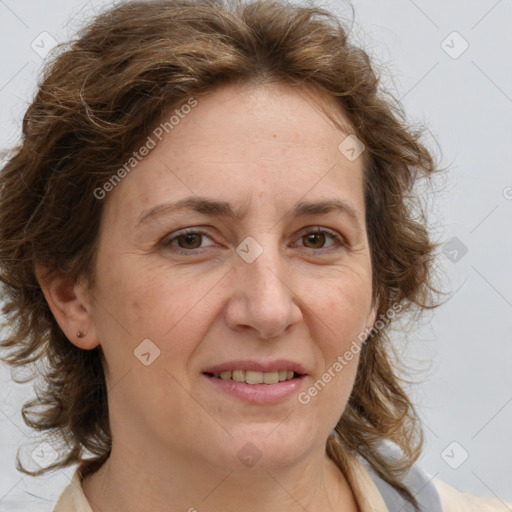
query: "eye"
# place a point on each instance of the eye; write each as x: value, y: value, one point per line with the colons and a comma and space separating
x: 317, y: 237
x: 190, y: 241
x: 186, y: 241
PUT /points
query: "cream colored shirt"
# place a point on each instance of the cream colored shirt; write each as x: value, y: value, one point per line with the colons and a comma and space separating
x: 368, y: 497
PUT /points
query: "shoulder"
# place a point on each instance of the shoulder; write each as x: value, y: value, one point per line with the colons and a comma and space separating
x: 72, y: 498
x: 453, y: 500
x: 432, y: 494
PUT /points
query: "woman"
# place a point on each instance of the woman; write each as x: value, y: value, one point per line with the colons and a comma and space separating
x: 213, y: 347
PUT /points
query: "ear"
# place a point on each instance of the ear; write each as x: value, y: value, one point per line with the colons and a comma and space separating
x: 70, y: 304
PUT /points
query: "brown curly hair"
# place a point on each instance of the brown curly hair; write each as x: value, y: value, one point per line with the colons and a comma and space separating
x: 99, y: 96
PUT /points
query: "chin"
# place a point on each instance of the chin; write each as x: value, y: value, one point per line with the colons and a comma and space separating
x: 267, y: 449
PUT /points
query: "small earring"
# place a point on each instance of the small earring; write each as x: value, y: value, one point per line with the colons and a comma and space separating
x: 81, y: 334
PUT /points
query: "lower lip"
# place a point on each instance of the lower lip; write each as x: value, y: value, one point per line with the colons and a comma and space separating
x: 258, y: 393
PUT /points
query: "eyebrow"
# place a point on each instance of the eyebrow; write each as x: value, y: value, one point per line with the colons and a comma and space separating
x: 215, y: 208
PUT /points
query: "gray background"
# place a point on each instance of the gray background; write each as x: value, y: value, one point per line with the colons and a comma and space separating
x: 461, y: 353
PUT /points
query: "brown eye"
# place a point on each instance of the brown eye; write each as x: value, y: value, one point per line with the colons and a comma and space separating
x: 189, y: 241
x: 317, y: 240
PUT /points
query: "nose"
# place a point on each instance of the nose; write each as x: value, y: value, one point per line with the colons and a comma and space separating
x: 262, y: 298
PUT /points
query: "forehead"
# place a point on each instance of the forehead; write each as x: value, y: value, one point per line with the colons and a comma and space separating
x: 265, y: 140
x: 279, y: 117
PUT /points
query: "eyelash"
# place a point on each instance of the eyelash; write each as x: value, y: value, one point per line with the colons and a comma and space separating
x: 167, y: 242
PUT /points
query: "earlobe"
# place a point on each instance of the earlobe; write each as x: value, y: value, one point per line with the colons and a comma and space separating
x: 68, y: 301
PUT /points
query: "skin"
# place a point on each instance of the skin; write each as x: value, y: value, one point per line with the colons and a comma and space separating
x: 175, y: 436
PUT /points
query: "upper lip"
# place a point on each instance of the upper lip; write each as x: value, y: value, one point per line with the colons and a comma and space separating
x: 257, y: 366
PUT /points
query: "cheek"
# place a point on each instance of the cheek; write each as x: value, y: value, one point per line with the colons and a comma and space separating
x: 343, y: 309
x: 142, y: 301
x: 341, y: 313
x: 168, y: 308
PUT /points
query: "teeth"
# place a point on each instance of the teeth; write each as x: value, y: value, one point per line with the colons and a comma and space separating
x: 271, y: 377
x: 239, y: 375
x: 252, y: 377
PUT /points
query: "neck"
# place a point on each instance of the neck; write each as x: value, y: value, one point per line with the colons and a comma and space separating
x: 138, y: 481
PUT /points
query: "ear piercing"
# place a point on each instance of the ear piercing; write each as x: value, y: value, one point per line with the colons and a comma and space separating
x: 81, y: 334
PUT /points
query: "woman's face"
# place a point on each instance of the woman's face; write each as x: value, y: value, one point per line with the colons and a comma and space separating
x: 257, y: 290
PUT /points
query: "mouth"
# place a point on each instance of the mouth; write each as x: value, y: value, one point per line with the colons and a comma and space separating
x: 255, y: 377
x: 257, y: 382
